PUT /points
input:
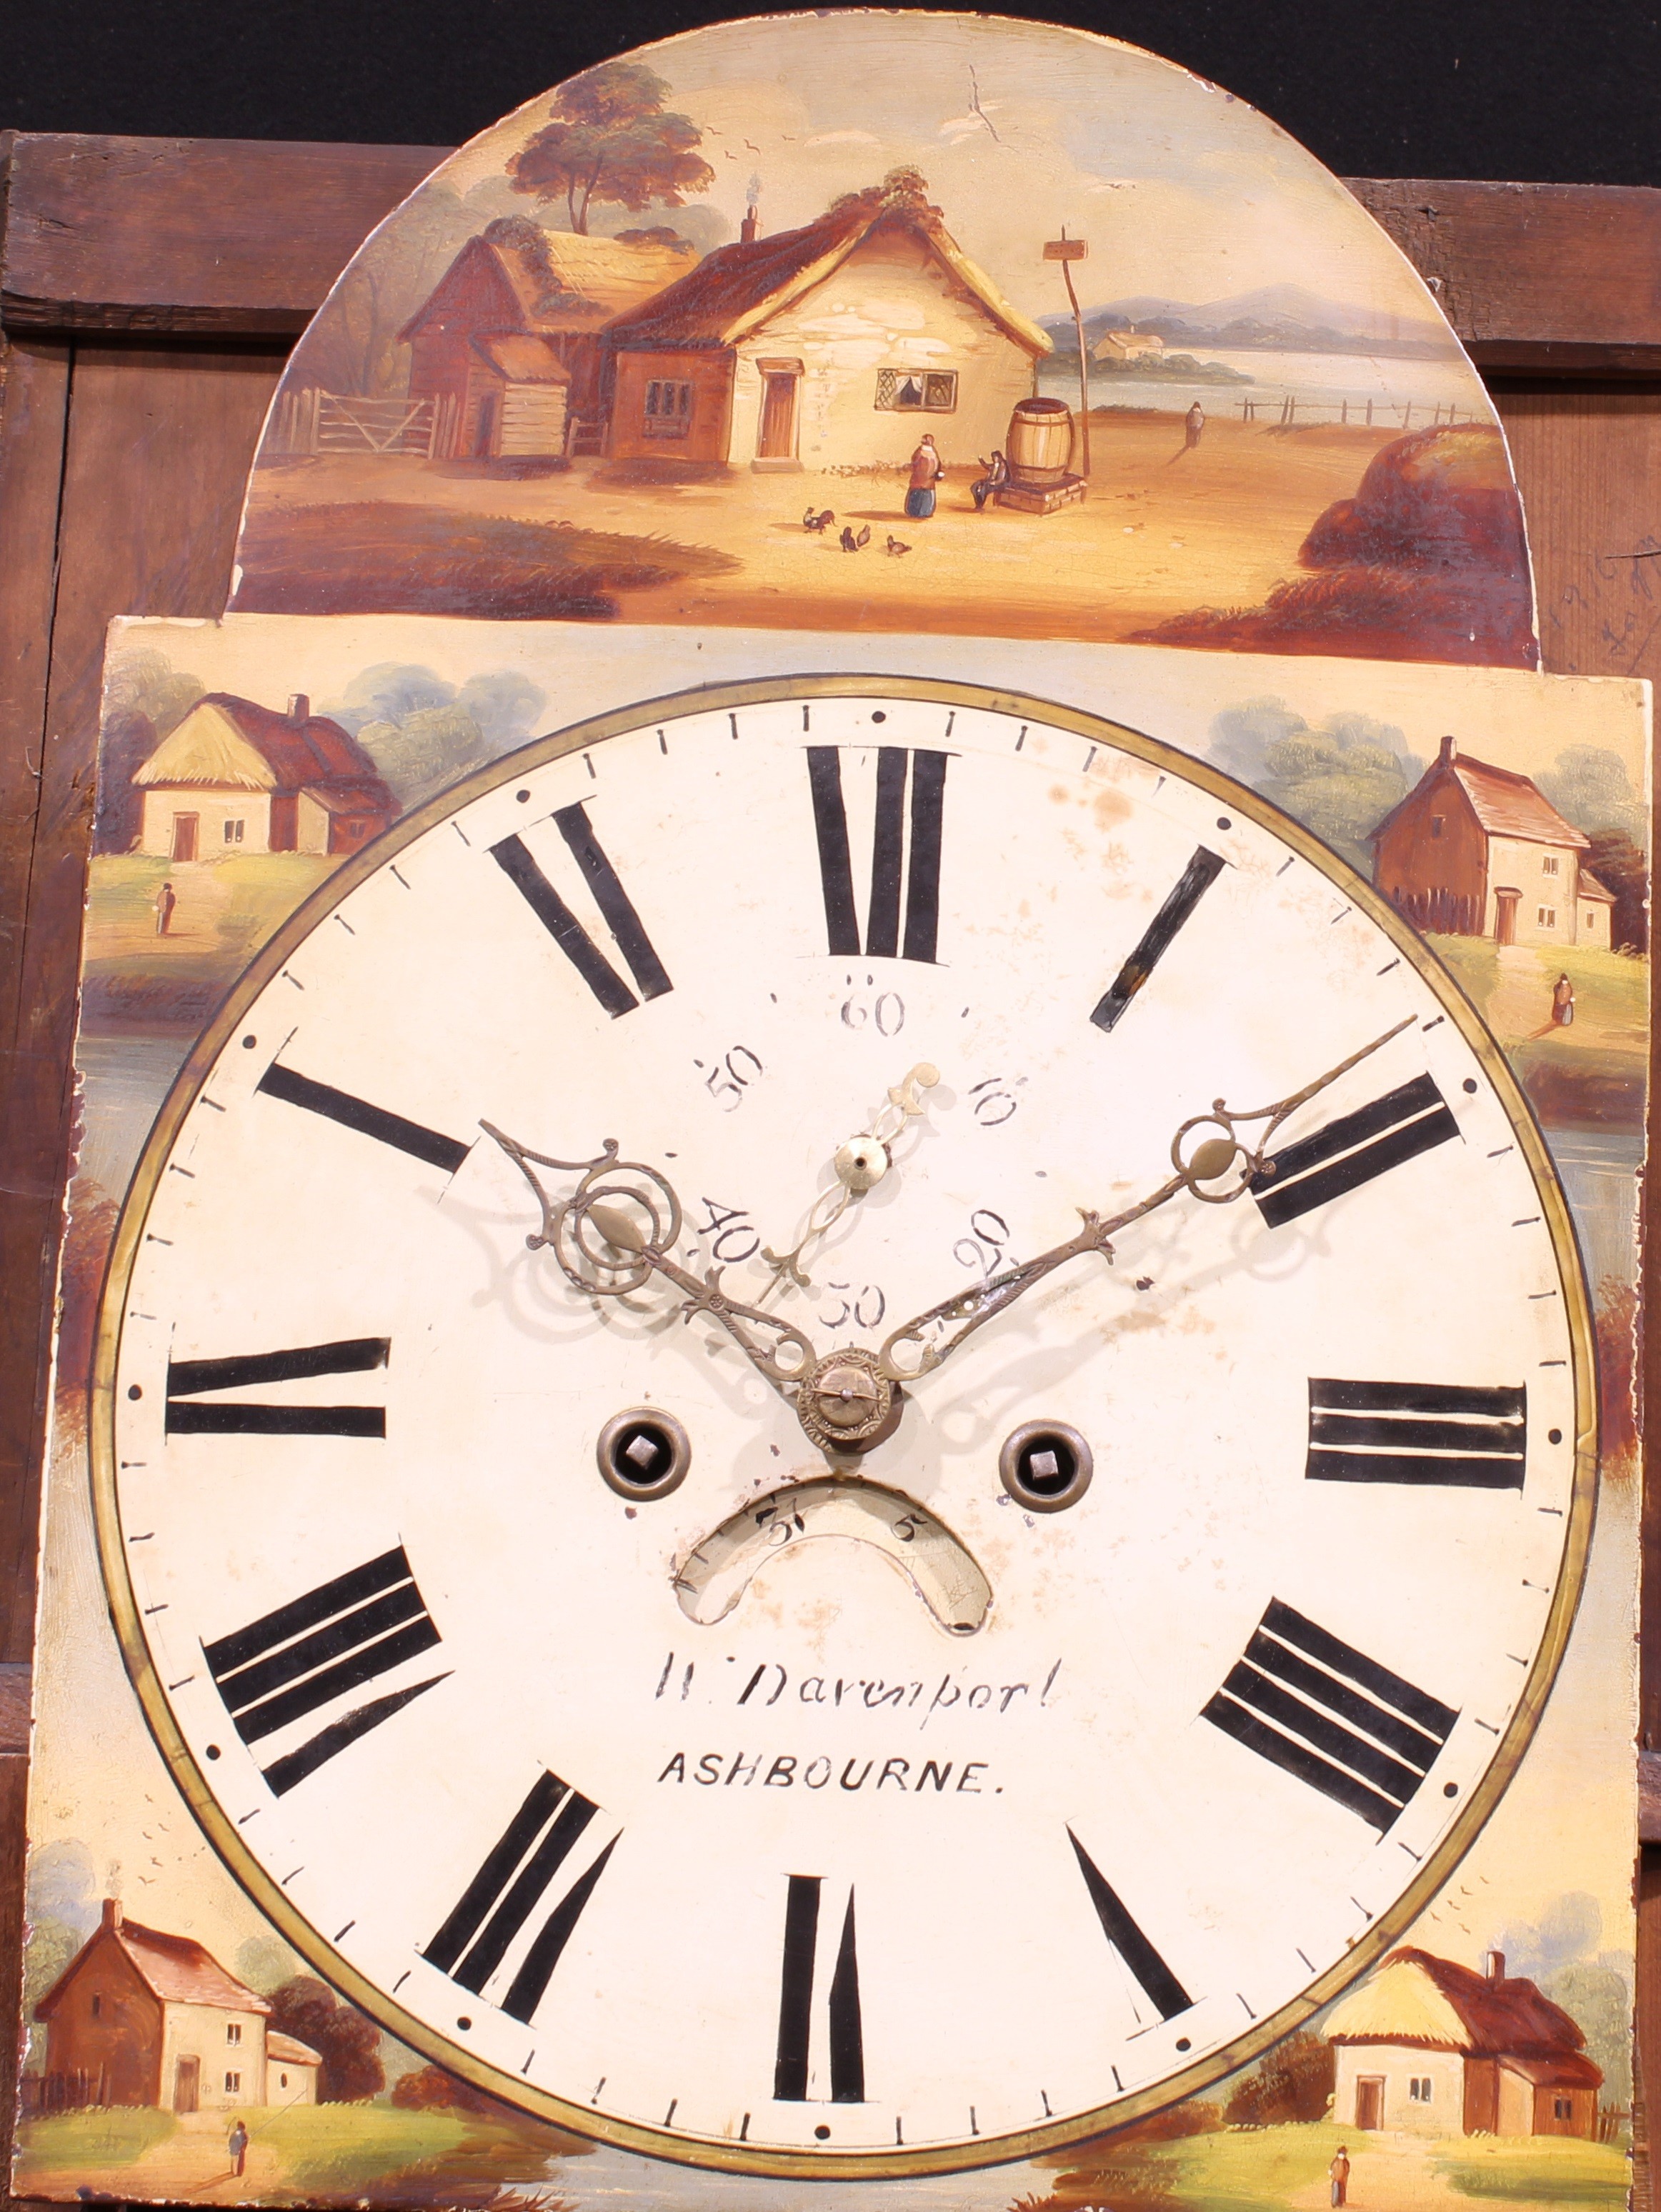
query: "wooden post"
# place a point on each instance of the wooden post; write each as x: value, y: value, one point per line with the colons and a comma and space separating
x: 1067, y: 250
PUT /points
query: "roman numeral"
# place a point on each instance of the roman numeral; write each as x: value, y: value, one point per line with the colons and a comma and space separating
x: 1444, y: 1434
x: 189, y: 1378
x: 1149, y: 1971
x: 1337, y: 1720
x: 288, y: 1664
x: 1412, y: 1119
x: 437, y: 1151
x: 514, y: 858
x: 802, y: 1934
x: 892, y: 864
x: 1196, y: 878
x: 514, y: 1880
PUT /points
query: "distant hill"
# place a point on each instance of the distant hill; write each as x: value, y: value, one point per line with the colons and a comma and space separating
x: 1281, y: 318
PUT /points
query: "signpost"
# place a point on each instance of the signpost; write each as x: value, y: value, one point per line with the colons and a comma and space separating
x: 1066, y: 250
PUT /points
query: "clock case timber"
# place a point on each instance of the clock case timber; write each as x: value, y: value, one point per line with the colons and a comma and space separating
x: 721, y: 2153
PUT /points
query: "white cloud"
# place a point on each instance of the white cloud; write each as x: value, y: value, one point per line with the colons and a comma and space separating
x: 844, y: 138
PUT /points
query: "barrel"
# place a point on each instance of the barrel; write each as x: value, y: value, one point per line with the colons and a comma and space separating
x: 1040, y: 442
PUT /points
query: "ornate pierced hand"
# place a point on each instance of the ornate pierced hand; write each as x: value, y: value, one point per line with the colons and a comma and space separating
x: 859, y: 1165
x: 615, y: 1232
x: 1222, y: 1159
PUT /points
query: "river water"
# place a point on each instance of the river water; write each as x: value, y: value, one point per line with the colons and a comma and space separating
x: 1323, y: 381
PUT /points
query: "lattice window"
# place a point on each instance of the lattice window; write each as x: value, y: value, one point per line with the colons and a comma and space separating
x: 916, y: 391
x: 668, y: 408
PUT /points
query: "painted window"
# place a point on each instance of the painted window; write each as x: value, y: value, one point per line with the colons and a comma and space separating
x: 233, y: 833
x: 233, y: 2031
x: 1419, y: 2089
x: 282, y: 2081
x: 97, y: 2007
x: 1547, y: 917
x: 1548, y: 864
x: 668, y: 408
x: 916, y: 391
x: 1436, y: 821
x: 1591, y: 920
x: 233, y: 2083
x: 1563, y: 2108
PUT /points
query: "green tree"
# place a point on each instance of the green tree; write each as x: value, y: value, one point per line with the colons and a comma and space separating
x: 1339, y: 780
x: 1590, y: 787
x: 611, y: 139
x: 347, y: 2040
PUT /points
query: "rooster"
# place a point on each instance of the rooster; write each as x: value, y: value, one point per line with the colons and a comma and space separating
x: 817, y: 521
x: 850, y: 543
x: 895, y: 547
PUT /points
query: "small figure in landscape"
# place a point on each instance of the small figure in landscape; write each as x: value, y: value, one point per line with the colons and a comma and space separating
x: 926, y: 470
x: 164, y: 902
x: 1193, y: 423
x: 818, y: 521
x: 895, y: 547
x: 850, y: 543
x: 1562, y: 1002
x: 1339, y: 2170
x: 237, y: 2143
x: 996, y: 477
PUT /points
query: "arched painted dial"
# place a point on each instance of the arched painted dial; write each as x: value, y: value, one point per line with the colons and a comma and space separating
x: 633, y: 1497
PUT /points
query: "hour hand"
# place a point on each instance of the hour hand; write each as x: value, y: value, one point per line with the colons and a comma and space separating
x: 615, y: 1233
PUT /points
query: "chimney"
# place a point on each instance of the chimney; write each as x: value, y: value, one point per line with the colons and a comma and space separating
x: 1449, y: 751
x: 300, y: 708
x: 749, y: 227
x: 112, y: 1914
x: 1494, y: 1962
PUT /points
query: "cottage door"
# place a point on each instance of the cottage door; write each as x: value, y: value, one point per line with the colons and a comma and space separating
x: 1370, y: 2100
x: 183, y: 835
x: 187, y: 2081
x: 777, y: 439
x: 1506, y: 904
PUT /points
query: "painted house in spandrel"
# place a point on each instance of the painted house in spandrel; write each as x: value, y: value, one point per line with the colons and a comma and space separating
x: 138, y: 2017
x: 1478, y: 851
x: 236, y: 777
x: 833, y: 347
x: 1429, y: 2047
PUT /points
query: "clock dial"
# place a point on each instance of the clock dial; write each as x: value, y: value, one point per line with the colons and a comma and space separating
x: 678, y: 1569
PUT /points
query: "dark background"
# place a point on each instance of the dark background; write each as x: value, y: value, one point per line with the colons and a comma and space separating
x: 1555, y: 91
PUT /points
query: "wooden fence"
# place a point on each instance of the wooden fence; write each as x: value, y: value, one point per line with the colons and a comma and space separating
x: 314, y: 421
x: 1291, y: 408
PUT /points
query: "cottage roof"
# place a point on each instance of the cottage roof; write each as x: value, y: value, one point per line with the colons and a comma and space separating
x: 1592, y: 888
x: 175, y: 1968
x: 521, y: 358
x: 558, y: 283
x: 1418, y: 1999
x: 1506, y: 804
x: 737, y: 288
x: 290, y: 2049
x: 225, y: 740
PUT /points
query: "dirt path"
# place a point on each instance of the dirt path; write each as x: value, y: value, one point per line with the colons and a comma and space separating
x: 191, y: 2167
x: 1162, y: 530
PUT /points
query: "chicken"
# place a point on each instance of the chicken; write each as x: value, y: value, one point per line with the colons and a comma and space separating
x: 817, y: 520
x: 850, y: 543
x: 895, y: 547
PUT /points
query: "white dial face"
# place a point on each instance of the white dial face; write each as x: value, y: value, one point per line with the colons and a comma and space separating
x: 529, y: 1639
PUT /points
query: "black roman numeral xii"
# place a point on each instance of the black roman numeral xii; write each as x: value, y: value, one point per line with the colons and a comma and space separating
x: 905, y: 853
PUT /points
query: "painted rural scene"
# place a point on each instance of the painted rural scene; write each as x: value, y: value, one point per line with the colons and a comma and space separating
x: 891, y: 322
x: 178, y: 2051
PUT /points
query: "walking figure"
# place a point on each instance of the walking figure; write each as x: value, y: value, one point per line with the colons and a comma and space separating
x: 1339, y: 2171
x: 164, y: 902
x: 926, y: 470
x: 1562, y: 1002
x: 238, y: 2145
x: 1194, y: 422
x: 996, y: 477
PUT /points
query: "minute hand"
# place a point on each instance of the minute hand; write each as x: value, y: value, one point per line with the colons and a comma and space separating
x: 1222, y: 1159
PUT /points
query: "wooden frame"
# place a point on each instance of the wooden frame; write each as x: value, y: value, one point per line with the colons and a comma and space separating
x: 149, y: 291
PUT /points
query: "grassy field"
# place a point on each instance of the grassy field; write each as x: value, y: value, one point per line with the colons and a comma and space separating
x: 1593, y: 1072
x: 93, y: 2139
x: 226, y: 911
x: 1541, y: 2173
x: 1271, y: 2169
x: 355, y: 2149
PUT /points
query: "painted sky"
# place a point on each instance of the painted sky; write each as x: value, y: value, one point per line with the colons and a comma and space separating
x: 1020, y: 128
